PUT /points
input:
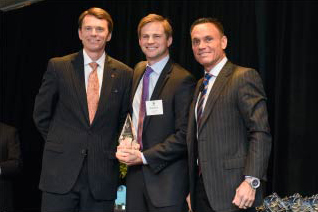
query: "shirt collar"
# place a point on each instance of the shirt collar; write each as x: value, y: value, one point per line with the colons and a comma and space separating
x: 88, y: 60
x: 158, y: 66
x: 216, y: 69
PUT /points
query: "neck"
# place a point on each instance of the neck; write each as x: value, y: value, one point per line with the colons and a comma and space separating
x: 94, y: 55
x: 152, y: 61
x: 209, y: 67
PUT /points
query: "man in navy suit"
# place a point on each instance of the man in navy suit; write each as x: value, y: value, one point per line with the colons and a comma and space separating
x: 79, y: 110
x: 157, y: 178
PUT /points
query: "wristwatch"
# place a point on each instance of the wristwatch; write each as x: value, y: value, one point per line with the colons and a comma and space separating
x: 254, y: 182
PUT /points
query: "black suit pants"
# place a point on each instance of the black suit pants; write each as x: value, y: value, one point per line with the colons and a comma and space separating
x: 138, y: 198
x: 79, y: 199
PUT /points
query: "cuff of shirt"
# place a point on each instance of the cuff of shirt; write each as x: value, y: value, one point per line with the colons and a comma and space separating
x: 144, y: 161
x: 251, y: 177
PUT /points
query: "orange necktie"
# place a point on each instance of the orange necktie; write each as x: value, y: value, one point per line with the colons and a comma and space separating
x: 92, y: 92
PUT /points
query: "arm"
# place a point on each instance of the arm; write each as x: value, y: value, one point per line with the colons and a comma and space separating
x: 252, y: 106
x: 12, y: 165
x: 126, y: 99
x: 174, y: 146
x: 45, y: 100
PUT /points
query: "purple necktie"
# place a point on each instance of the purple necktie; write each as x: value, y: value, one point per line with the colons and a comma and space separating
x: 142, y: 108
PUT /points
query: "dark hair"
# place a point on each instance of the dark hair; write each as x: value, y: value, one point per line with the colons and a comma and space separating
x: 155, y: 18
x: 98, y: 13
x: 214, y: 21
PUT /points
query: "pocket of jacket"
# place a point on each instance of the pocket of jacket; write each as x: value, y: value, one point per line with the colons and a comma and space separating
x: 55, y: 147
x: 234, y: 163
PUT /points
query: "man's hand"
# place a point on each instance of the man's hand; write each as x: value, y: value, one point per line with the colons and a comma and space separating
x: 129, y: 157
x: 245, y: 196
x: 189, y: 202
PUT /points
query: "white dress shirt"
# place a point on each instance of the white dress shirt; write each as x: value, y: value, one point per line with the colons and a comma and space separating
x: 153, y: 78
x: 214, y: 72
x: 88, y: 69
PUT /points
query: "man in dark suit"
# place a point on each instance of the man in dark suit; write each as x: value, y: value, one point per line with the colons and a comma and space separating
x: 79, y: 110
x: 228, y: 138
x: 10, y: 164
x: 157, y: 178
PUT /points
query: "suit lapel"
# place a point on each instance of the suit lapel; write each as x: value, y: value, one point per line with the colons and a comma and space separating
x: 163, y: 78
x: 138, y: 73
x: 78, y: 76
x: 216, y: 90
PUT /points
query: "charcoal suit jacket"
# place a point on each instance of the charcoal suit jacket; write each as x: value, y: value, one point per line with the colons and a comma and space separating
x: 61, y: 116
x: 233, y: 139
x: 164, y: 136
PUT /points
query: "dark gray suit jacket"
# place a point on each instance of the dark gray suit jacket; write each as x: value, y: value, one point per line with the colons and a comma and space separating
x: 234, y: 138
x: 164, y: 136
x: 61, y: 115
x: 10, y: 163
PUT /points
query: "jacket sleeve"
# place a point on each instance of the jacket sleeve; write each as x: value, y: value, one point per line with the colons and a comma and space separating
x: 252, y: 106
x: 45, y: 100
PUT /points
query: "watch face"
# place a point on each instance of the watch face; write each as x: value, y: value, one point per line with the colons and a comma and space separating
x: 255, y: 183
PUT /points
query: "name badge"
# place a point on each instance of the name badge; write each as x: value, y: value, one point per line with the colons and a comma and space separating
x: 154, y: 108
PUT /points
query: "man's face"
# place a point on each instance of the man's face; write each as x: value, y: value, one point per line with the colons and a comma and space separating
x: 94, y: 34
x: 208, y: 45
x: 154, y: 42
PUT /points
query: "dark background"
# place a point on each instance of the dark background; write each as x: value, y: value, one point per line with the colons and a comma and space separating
x: 278, y: 38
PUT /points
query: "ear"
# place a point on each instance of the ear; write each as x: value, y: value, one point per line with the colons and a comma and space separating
x: 80, y: 34
x: 139, y: 41
x: 109, y: 36
x: 169, y: 41
x: 224, y: 42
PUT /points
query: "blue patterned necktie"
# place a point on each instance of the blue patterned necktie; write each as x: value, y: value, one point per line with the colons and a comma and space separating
x: 206, y: 79
x: 142, y: 107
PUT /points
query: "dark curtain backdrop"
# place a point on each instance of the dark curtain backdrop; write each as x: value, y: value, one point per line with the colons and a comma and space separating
x: 276, y: 38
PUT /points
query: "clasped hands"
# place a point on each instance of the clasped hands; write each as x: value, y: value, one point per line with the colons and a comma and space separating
x: 128, y: 152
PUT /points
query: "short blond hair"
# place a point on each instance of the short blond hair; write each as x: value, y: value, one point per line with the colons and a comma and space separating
x: 155, y: 18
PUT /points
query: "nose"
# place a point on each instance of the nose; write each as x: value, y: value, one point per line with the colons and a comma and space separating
x: 201, y: 45
x: 94, y: 31
x: 150, y: 39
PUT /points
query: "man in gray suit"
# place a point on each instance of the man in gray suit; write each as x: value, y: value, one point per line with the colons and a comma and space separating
x: 80, y: 110
x: 228, y: 137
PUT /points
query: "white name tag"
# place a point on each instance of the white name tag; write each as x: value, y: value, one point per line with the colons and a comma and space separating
x: 154, y: 108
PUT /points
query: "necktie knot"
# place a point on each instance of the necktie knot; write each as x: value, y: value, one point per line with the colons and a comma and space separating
x: 93, y: 65
x: 148, y: 71
x: 206, y: 79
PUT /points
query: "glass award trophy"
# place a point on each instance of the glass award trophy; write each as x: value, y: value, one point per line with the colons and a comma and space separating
x: 127, y: 138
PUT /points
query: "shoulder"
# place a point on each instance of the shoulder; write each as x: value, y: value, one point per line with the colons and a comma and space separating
x: 241, y: 72
x: 116, y: 64
x: 66, y: 58
x: 180, y: 72
x: 140, y: 65
x: 6, y: 129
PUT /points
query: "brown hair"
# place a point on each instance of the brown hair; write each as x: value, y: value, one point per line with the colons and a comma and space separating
x: 214, y: 21
x: 155, y: 18
x: 98, y: 13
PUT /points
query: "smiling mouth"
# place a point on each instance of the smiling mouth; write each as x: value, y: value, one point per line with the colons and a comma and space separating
x: 204, y: 53
x: 93, y: 41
